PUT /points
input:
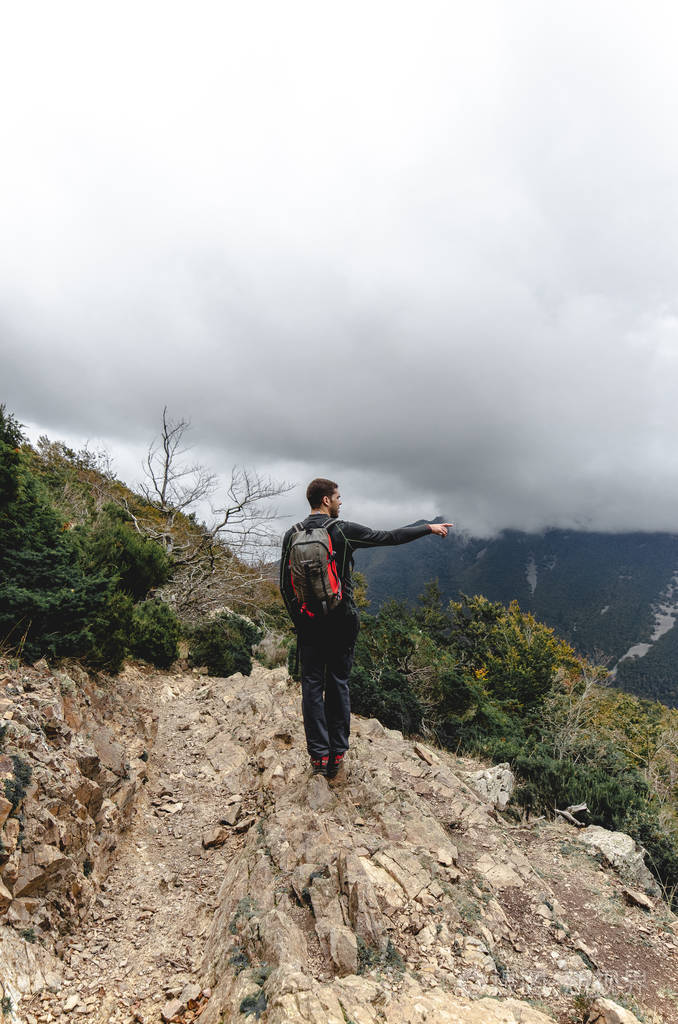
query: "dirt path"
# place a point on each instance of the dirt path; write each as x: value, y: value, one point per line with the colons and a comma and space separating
x: 142, y: 942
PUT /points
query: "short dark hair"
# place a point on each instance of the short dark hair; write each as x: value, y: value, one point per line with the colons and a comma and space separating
x: 318, y: 489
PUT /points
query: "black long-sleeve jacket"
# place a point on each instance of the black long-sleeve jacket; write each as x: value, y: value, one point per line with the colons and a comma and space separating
x: 347, y: 538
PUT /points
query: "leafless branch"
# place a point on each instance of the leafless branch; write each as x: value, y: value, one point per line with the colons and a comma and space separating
x: 217, y: 562
x: 568, y: 716
x: 172, y: 485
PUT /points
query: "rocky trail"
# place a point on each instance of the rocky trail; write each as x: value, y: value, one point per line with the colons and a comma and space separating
x: 140, y: 947
x: 175, y: 861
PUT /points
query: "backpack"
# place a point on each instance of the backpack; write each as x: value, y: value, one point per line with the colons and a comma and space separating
x: 313, y: 570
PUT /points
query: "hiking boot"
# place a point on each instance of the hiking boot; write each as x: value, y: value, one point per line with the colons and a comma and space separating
x: 336, y: 768
x: 319, y: 765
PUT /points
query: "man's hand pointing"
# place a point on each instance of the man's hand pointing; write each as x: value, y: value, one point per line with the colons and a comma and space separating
x: 440, y: 528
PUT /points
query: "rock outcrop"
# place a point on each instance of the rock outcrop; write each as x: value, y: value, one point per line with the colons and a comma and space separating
x: 69, y: 785
x: 495, y: 785
x: 623, y: 854
x: 397, y: 896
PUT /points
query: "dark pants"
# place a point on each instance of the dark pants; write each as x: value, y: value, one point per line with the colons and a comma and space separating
x: 326, y: 662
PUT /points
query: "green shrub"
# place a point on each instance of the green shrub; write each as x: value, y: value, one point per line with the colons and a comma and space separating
x: 386, y: 640
x: 239, y: 960
x: 389, y: 698
x: 370, y: 958
x: 110, y: 632
x: 515, y: 654
x: 254, y: 1004
x: 65, y: 590
x: 47, y: 600
x: 155, y: 633
x: 137, y: 564
x: 662, y: 849
x: 11, y: 439
x: 224, y: 644
x: 15, y: 787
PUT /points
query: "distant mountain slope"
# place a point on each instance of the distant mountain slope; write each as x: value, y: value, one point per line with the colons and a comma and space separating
x: 605, y: 593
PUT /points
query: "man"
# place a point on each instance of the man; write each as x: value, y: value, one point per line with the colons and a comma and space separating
x: 327, y: 642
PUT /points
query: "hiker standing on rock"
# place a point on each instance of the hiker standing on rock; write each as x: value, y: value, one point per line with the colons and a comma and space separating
x: 317, y: 588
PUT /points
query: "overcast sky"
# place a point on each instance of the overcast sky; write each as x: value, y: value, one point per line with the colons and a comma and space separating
x: 427, y: 249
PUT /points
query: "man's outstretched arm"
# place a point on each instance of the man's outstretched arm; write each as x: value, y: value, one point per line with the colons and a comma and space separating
x: 358, y: 536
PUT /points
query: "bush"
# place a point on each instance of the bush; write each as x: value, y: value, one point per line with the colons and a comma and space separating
x: 224, y: 644
x: 11, y: 439
x: 136, y: 563
x: 15, y: 787
x: 110, y: 631
x: 608, y: 787
x: 155, y: 633
x: 272, y: 650
x: 389, y: 698
x: 516, y: 656
x: 662, y: 850
x: 46, y: 599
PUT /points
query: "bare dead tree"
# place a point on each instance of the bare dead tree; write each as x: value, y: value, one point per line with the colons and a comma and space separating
x: 173, y: 485
x: 219, y: 561
x: 244, y: 521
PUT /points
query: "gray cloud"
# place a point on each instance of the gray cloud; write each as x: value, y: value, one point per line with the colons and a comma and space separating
x: 463, y: 220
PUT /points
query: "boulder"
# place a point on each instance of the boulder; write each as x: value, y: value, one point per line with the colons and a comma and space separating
x: 426, y: 754
x: 500, y: 874
x: 39, y: 867
x: 172, y: 1009
x: 622, y: 853
x: 90, y: 795
x: 17, y: 914
x: 88, y: 762
x: 364, y: 913
x: 319, y: 795
x: 340, y: 944
x: 324, y: 895
x: 405, y: 869
x: 111, y: 753
x: 605, y: 1011
x: 638, y: 899
x: 215, y: 837
x: 231, y: 812
x: 493, y: 785
x: 371, y: 727
x: 281, y: 941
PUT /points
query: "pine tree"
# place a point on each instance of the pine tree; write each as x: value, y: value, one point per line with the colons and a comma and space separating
x: 46, y: 599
